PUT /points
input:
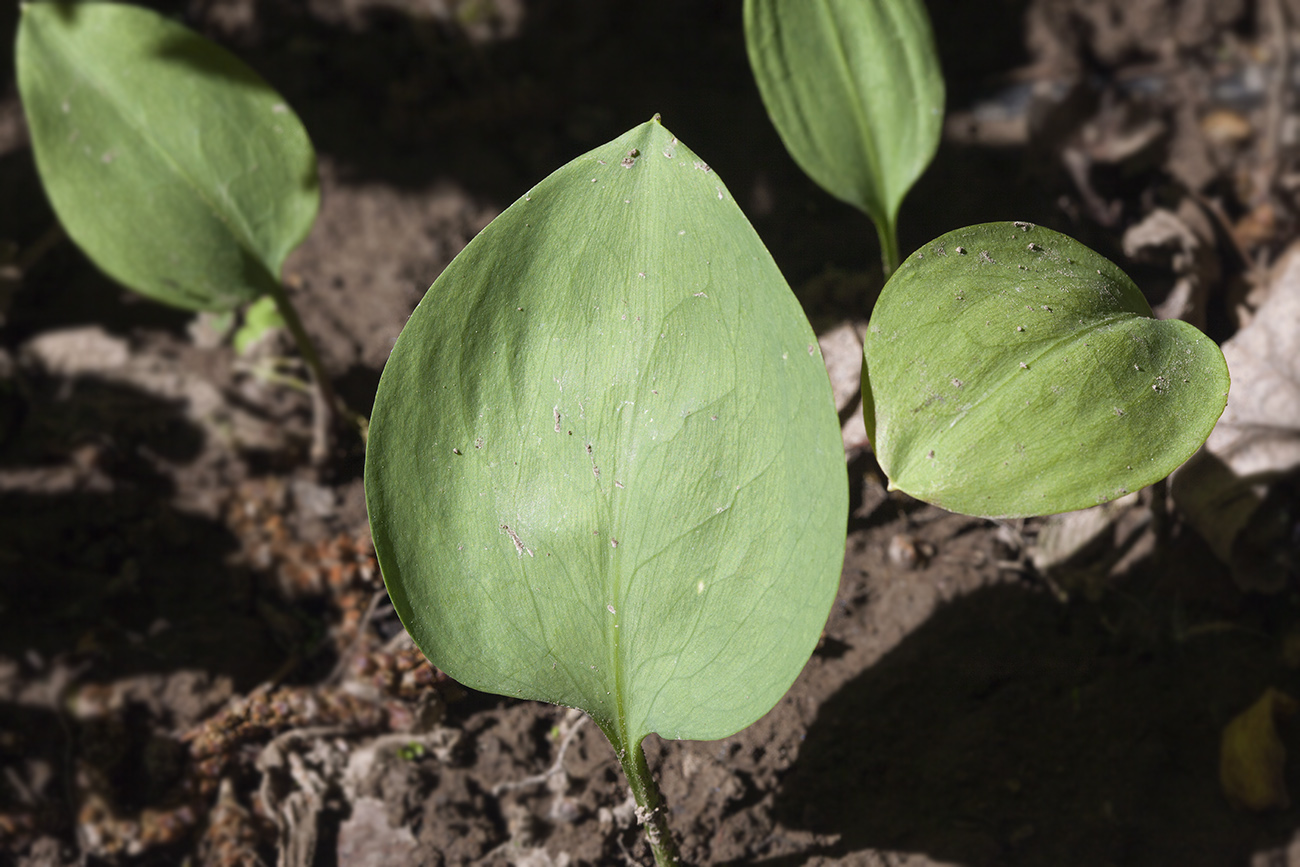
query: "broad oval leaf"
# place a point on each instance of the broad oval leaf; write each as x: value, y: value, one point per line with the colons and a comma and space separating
x: 1011, y: 371
x: 604, y: 468
x: 177, y: 169
x: 855, y: 91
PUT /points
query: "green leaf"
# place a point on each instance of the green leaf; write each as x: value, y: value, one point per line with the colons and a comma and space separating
x: 178, y: 170
x: 604, y: 467
x: 855, y: 91
x: 261, y: 316
x: 1011, y: 371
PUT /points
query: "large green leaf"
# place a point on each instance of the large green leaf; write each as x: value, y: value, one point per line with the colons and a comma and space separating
x: 1011, y: 371
x: 178, y: 170
x: 604, y: 467
x: 855, y: 91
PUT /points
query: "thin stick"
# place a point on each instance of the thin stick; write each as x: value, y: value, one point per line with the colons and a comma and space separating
x: 557, y: 767
x: 1276, y: 104
x: 1160, y: 515
x: 354, y: 647
x: 37, y: 249
x: 324, y: 408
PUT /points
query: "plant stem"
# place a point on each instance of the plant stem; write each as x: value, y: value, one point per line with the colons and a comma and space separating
x: 650, y: 810
x: 1160, y: 516
x: 888, y: 234
x: 324, y: 408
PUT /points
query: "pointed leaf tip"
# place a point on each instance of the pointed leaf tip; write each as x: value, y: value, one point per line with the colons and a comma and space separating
x: 603, y: 469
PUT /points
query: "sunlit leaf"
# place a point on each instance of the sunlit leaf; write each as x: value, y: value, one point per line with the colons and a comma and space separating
x: 178, y: 170
x: 261, y: 317
x: 604, y: 468
x: 855, y: 91
x: 1010, y: 371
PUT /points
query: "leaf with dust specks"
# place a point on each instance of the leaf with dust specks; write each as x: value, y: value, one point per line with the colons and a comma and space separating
x: 177, y: 169
x: 604, y: 466
x: 1011, y: 371
x: 855, y: 91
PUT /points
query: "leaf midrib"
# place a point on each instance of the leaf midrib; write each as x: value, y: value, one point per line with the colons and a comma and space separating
x: 993, y: 390
x: 863, y: 123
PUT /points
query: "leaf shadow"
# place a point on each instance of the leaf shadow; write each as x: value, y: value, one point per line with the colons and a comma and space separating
x: 1009, y: 730
x: 209, y: 60
x: 411, y: 98
x: 408, y: 99
x: 96, y: 561
x: 1252, y: 520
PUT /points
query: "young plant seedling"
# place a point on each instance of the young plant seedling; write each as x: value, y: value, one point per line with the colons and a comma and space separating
x: 1011, y: 371
x: 855, y: 91
x: 604, y: 467
x: 170, y: 163
x: 1008, y: 369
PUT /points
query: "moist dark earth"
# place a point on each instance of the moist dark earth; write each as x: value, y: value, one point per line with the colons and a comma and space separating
x: 198, y: 663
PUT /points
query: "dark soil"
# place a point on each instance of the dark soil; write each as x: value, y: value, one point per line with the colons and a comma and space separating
x: 198, y: 664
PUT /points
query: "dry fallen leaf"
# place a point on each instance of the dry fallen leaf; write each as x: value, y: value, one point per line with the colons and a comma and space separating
x: 1255, y: 444
x: 1225, y: 127
x: 1251, y: 756
x: 842, y: 351
x: 1185, y: 241
x: 1077, y: 550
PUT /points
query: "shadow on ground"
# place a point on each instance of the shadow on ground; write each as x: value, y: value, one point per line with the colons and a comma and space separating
x: 1009, y: 730
x: 95, y: 559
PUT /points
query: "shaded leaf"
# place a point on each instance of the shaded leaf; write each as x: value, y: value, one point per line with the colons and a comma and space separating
x: 176, y: 169
x: 855, y: 91
x: 1011, y: 371
x: 604, y: 467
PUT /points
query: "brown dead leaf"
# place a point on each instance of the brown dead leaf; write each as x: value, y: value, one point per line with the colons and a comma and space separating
x: 1076, y: 551
x: 1224, y: 127
x: 1251, y: 755
x: 1255, y: 445
x: 1184, y: 240
x: 1257, y: 227
x: 842, y: 351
